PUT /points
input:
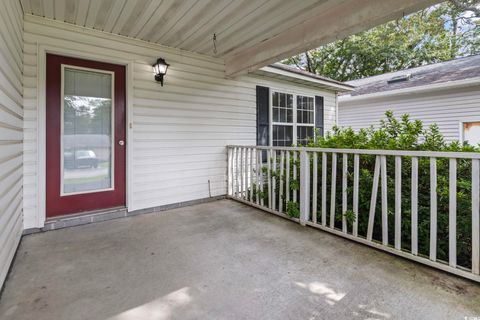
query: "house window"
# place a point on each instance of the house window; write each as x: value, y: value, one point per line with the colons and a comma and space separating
x: 471, y: 132
x: 293, y: 119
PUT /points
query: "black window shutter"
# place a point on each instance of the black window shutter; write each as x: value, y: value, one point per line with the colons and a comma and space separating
x: 319, y: 118
x: 263, y: 106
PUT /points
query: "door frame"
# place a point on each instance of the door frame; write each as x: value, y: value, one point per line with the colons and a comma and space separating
x: 42, y: 51
x: 62, y: 124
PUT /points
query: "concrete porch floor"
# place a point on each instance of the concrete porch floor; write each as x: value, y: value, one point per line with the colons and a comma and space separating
x: 221, y: 260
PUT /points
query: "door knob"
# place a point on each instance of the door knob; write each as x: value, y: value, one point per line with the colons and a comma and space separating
x: 121, y: 142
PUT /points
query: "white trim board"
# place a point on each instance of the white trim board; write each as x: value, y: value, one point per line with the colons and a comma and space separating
x: 291, y: 76
x: 42, y: 51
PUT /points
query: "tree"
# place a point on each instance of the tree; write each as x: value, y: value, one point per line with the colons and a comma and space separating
x: 439, y: 33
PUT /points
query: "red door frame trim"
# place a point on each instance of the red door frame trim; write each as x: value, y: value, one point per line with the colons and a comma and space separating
x: 67, y: 204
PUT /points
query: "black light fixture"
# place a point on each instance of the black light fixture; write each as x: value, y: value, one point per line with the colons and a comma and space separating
x: 160, y: 69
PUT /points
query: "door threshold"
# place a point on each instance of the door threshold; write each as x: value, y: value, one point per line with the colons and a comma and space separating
x: 81, y: 218
x: 85, y: 213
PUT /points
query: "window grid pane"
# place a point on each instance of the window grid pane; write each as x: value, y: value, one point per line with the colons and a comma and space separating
x: 282, y: 136
x: 282, y: 104
x: 304, y: 134
x: 305, y: 109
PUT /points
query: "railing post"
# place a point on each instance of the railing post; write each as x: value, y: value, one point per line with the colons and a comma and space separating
x: 304, y: 188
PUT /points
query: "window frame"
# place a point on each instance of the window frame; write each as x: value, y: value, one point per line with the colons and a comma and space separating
x: 461, y: 127
x: 294, y: 123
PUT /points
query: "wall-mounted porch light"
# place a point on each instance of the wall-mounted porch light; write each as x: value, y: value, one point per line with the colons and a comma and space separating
x: 160, y: 69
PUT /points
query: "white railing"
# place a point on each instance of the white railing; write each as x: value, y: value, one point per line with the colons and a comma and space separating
x: 336, y: 190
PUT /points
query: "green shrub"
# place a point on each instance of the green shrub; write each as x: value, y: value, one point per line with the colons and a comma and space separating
x: 293, y: 209
x: 396, y: 134
x: 405, y: 134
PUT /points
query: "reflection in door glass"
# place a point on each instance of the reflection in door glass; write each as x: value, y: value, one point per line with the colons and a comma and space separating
x: 87, y: 131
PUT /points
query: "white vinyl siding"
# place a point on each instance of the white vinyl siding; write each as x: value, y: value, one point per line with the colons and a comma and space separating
x: 447, y: 109
x: 179, y: 131
x: 11, y: 135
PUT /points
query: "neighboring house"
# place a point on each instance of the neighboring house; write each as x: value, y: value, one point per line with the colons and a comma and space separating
x: 446, y: 93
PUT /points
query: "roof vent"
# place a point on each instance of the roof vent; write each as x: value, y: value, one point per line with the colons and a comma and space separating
x: 401, y: 78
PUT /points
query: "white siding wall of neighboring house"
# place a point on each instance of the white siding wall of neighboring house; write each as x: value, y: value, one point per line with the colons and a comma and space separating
x: 179, y: 131
x: 445, y: 108
x: 11, y: 135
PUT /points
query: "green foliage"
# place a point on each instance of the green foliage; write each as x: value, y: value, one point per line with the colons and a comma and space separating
x: 293, y: 209
x: 294, y: 185
x: 439, y: 33
x: 405, y: 134
x: 350, y: 217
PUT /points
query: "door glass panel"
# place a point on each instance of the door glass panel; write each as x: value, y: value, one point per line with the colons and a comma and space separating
x: 87, y: 131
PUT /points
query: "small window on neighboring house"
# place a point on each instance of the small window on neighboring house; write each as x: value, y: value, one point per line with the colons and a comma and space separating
x: 471, y: 132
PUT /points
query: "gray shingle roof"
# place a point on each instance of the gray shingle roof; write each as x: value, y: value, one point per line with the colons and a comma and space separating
x: 457, y: 69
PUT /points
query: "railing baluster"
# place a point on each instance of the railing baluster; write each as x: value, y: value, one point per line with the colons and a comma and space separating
x: 356, y: 174
x: 324, y: 189
x: 475, y: 216
x: 237, y: 172
x: 314, y: 187
x: 452, y: 214
x: 287, y: 178
x: 333, y: 190
x: 304, y: 187
x: 274, y: 180
x: 383, y: 160
x: 433, y: 209
x: 373, y: 200
x: 229, y: 171
x: 280, y: 179
x: 398, y: 202
x: 244, y: 169
x: 344, y: 191
x: 252, y: 173
x: 295, y: 175
x: 269, y: 177
x: 241, y: 172
x: 244, y: 172
x: 258, y: 169
x: 414, y: 206
x: 245, y: 175
x: 262, y: 200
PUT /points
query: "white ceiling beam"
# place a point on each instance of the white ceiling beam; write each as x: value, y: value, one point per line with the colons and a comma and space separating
x: 346, y: 18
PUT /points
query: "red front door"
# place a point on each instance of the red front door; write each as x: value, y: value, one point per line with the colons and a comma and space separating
x: 85, y: 153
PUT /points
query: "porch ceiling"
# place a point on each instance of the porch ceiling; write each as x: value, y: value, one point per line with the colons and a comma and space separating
x: 250, y: 33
